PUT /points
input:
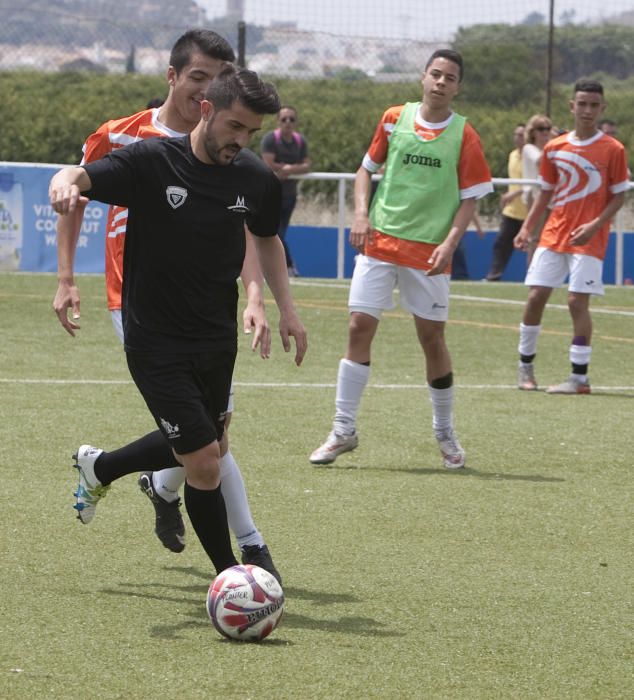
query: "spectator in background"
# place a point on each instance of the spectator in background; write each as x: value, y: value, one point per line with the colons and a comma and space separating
x: 459, y: 268
x: 285, y: 151
x: 155, y: 102
x: 609, y: 127
x: 536, y: 135
x: 513, y: 210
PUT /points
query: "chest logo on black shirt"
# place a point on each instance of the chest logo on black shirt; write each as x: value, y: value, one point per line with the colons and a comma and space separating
x: 239, y: 206
x: 176, y: 196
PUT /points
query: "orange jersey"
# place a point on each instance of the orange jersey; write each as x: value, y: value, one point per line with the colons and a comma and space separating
x: 108, y: 137
x: 584, y: 175
x: 474, y: 181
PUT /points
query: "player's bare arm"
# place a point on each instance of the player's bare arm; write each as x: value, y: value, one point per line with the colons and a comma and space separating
x: 254, y: 317
x: 582, y: 234
x: 273, y: 263
x: 538, y: 207
x: 441, y: 257
x: 361, y: 230
x: 67, y: 294
x: 64, y: 193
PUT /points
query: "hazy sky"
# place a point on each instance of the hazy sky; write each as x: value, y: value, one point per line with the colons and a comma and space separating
x: 409, y: 18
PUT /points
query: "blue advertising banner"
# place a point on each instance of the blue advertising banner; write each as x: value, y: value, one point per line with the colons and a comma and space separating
x: 28, y: 240
x: 27, y: 223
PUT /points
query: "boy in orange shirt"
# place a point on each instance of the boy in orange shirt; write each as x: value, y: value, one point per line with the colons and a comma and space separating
x: 435, y: 170
x: 583, y: 179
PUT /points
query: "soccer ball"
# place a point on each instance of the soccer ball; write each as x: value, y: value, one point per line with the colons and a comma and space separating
x: 245, y: 602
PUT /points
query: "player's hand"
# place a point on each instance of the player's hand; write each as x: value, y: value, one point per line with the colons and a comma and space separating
x: 63, y: 197
x: 291, y: 326
x: 582, y: 234
x: 254, y: 321
x: 67, y: 297
x: 522, y: 239
x: 440, y: 259
x: 360, y: 232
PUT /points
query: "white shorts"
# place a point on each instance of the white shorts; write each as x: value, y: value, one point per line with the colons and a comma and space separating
x: 374, y: 282
x: 550, y: 269
x: 115, y: 315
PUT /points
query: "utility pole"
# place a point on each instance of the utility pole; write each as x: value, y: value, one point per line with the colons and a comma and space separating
x: 549, y: 63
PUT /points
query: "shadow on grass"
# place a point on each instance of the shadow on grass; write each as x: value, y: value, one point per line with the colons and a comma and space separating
x: 466, y: 472
x: 196, y: 616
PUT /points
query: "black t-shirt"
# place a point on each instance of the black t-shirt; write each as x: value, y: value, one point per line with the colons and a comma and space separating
x: 291, y: 152
x: 185, y: 239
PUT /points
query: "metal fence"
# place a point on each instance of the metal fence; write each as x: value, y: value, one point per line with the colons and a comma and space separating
x: 379, y: 40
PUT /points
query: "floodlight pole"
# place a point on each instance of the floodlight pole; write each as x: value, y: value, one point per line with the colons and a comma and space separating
x: 242, y: 41
x: 549, y: 63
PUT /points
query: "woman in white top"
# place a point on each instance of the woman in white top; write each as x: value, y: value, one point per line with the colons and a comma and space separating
x: 537, y: 134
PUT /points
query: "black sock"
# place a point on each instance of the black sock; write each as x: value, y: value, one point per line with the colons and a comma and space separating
x: 442, y: 382
x: 579, y: 369
x: 149, y: 453
x: 527, y: 359
x: 206, y: 510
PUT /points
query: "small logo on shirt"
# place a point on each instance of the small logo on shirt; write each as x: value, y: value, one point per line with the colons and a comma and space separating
x: 239, y: 206
x: 436, y: 305
x: 172, y: 431
x: 590, y: 283
x: 176, y: 196
x: 415, y: 159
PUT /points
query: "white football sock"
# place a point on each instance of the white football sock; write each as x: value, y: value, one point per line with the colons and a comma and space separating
x: 238, y: 512
x: 167, y: 482
x: 351, y: 381
x: 580, y: 354
x: 528, y: 339
x: 442, y: 407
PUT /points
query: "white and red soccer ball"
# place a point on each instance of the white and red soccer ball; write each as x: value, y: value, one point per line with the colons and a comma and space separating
x: 245, y: 602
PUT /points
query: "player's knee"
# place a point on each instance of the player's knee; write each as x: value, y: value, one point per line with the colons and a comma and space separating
x: 361, y: 327
x: 203, y: 466
x: 578, y: 303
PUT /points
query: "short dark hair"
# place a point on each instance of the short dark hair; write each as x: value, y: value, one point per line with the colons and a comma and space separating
x: 203, y: 40
x: 450, y: 55
x: 606, y: 122
x: 245, y: 86
x: 585, y: 85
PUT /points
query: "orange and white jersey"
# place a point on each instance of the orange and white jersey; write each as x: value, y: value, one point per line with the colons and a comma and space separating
x: 111, y: 135
x: 584, y: 176
x: 474, y: 182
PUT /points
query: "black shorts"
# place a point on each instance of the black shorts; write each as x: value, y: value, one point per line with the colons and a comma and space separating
x: 186, y: 394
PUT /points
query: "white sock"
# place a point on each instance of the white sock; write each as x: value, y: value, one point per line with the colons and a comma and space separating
x: 238, y: 512
x: 442, y: 407
x: 351, y: 381
x: 167, y: 482
x: 528, y: 339
x: 580, y: 355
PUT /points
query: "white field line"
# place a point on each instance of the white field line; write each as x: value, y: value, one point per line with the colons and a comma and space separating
x: 285, y: 385
x: 469, y: 297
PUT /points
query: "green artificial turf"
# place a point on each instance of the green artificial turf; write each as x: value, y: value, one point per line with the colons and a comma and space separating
x: 509, y: 579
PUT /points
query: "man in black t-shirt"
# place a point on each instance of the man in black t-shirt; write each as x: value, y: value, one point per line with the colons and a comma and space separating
x: 285, y: 151
x: 189, y: 199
